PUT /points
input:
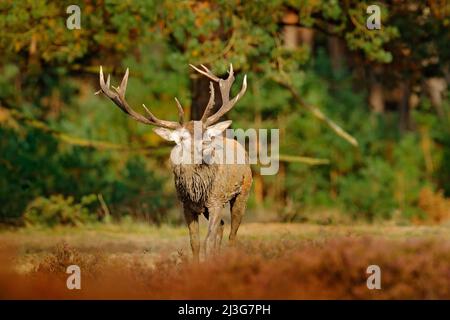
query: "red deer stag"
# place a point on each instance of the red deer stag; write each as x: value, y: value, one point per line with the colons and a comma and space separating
x: 203, y: 187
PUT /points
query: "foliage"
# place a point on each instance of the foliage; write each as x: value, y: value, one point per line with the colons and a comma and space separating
x: 37, y: 165
x: 58, y: 210
x: 380, y: 179
x: 48, y: 74
x: 435, y: 205
x: 139, y: 194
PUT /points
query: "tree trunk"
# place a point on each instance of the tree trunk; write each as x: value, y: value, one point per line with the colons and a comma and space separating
x: 290, y: 36
x: 290, y: 30
x: 405, y: 121
x: 376, y: 97
x: 306, y: 36
x: 337, y: 52
x: 436, y: 87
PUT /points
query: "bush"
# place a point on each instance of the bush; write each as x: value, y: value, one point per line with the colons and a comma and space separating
x: 435, y: 205
x: 371, y: 192
x: 58, y: 210
x: 64, y: 255
x: 36, y: 165
x: 139, y: 192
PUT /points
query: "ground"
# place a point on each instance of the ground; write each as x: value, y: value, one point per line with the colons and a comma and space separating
x: 271, y: 260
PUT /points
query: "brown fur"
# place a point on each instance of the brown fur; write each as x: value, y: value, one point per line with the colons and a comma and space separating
x: 206, y: 189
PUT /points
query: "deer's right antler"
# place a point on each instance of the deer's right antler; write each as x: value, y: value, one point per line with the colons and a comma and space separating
x: 225, y: 87
x: 118, y: 97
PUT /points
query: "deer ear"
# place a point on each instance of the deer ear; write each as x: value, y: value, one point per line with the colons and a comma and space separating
x: 166, y: 134
x: 217, y: 129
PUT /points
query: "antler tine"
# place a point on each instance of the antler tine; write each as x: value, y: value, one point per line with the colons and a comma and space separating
x: 123, y: 83
x: 102, y: 82
x: 225, y: 85
x: 211, y: 102
x: 118, y: 97
x: 150, y: 114
x: 231, y: 72
x: 225, y: 88
x: 206, y: 73
x: 228, y: 105
x: 180, y: 111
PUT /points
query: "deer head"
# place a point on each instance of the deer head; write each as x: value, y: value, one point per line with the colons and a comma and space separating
x: 191, y: 136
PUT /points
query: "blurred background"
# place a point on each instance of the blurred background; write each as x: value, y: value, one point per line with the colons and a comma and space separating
x: 363, y: 114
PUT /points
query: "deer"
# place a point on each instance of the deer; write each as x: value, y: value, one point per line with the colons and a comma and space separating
x: 204, y: 187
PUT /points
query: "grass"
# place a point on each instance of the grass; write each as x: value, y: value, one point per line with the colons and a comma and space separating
x: 271, y: 260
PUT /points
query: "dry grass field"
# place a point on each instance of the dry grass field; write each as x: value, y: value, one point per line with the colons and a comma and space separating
x: 271, y: 260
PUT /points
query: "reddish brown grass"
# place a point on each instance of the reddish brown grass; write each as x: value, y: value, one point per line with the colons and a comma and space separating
x: 333, y: 269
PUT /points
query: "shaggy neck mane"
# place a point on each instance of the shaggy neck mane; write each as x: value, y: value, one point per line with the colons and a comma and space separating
x: 194, y: 181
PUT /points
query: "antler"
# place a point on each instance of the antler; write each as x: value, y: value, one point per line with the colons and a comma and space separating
x: 118, y: 97
x: 225, y: 87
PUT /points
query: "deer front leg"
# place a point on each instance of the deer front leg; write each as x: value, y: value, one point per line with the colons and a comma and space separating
x: 213, y: 229
x: 220, y: 234
x: 194, y: 232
